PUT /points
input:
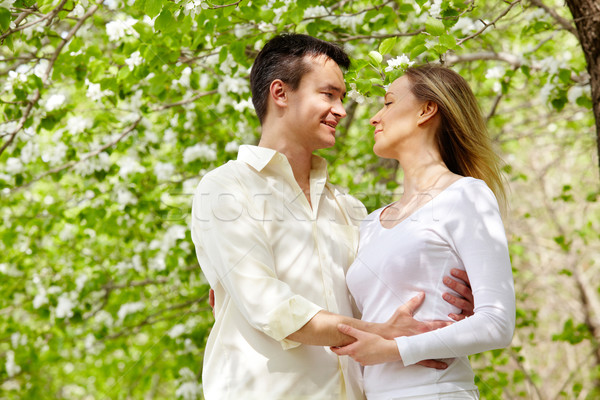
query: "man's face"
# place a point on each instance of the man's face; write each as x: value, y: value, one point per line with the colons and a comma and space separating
x: 315, y: 107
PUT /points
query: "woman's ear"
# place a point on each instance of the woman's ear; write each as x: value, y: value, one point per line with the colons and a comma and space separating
x: 278, y: 92
x: 429, y: 109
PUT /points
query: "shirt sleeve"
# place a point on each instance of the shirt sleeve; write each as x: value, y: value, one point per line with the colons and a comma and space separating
x: 234, y: 251
x: 477, y: 235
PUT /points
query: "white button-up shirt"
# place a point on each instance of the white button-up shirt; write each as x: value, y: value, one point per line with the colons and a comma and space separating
x: 274, y: 262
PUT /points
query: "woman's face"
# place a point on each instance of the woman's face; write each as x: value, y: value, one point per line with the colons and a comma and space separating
x: 397, y: 120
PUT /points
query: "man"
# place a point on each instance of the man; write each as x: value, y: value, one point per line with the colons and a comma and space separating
x: 274, y: 239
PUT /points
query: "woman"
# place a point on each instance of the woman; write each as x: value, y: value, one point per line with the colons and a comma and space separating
x: 447, y: 217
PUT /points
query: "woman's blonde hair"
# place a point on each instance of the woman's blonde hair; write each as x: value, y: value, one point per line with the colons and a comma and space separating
x: 463, y: 139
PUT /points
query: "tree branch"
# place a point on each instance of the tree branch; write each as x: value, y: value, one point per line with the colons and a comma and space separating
x: 186, y: 101
x: 485, y: 26
x: 85, y: 157
x: 37, y: 93
x: 50, y: 16
x: 560, y: 20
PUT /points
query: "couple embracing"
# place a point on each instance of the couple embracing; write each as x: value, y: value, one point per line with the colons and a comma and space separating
x: 308, y: 288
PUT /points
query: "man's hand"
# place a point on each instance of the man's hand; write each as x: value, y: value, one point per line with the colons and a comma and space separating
x: 402, y: 323
x: 211, y: 300
x: 463, y: 288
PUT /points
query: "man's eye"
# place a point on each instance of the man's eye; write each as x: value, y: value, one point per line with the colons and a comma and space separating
x: 328, y: 94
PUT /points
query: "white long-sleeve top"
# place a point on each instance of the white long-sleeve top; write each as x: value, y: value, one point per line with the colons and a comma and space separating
x: 461, y: 228
x: 274, y: 262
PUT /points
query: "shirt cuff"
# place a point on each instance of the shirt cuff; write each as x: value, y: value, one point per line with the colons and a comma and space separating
x: 288, y: 317
x: 404, y: 350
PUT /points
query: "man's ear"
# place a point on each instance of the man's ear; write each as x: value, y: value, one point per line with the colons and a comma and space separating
x: 278, y: 92
x: 428, y: 110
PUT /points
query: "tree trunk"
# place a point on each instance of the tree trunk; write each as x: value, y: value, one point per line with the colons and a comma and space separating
x: 586, y: 15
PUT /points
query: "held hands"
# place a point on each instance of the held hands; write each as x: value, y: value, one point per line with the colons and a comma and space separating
x: 369, y: 348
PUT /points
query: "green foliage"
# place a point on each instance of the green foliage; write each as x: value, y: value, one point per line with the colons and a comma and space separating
x: 102, y: 293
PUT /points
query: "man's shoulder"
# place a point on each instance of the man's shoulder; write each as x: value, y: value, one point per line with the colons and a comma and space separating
x: 232, y: 173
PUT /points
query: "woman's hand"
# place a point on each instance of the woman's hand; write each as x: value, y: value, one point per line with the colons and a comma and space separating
x: 369, y: 348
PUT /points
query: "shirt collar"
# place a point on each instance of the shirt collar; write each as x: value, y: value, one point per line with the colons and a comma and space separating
x: 258, y: 158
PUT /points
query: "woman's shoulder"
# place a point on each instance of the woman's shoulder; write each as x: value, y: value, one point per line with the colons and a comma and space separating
x: 472, y: 194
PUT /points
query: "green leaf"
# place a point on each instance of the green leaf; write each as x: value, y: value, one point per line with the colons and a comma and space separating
x: 448, y: 41
x: 387, y: 45
x: 417, y: 50
x: 5, y: 18
x: 564, y: 75
x: 375, y: 57
x: 435, y: 27
x: 153, y: 7
x: 165, y: 21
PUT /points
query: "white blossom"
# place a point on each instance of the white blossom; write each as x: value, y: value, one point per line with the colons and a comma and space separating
x: 77, y: 124
x: 101, y: 162
x: 176, y: 331
x: 318, y: 11
x: 497, y: 87
x: 11, y: 366
x: 55, y: 101
x: 129, y: 165
x: 233, y: 85
x: 189, y: 391
x: 14, y: 77
x: 13, y: 166
x: 158, y: 263
x: 355, y: 94
x: 29, y: 152
x: 78, y: 11
x: 227, y: 64
x: 125, y: 197
x: 495, y: 73
x: 103, y: 317
x: 184, y: 80
x: 40, y: 68
x: 574, y: 93
x: 232, y: 147
x: 118, y: 29
x: 242, y: 105
x: 164, y: 171
x: 94, y: 91
x: 266, y: 27
x: 129, y: 308
x: 67, y: 233
x: 199, y: 151
x: 465, y: 25
x: 398, y: 62
x: 435, y: 9
x: 550, y: 64
x: 64, y: 308
x: 545, y: 92
x: 18, y: 339
x: 55, y: 154
x: 80, y: 281
x: 134, y: 60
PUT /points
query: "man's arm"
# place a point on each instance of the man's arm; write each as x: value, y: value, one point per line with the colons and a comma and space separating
x: 322, y: 329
